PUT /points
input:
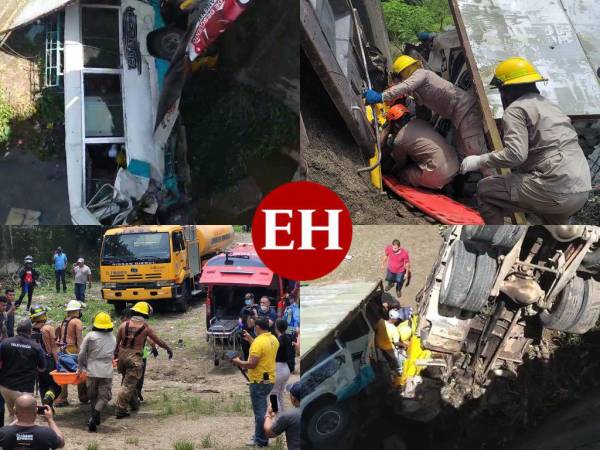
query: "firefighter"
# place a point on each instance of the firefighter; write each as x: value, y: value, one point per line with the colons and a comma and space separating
x: 421, y: 155
x: 552, y: 177
x: 131, y: 338
x: 441, y: 97
x: 43, y: 334
x: 69, y: 338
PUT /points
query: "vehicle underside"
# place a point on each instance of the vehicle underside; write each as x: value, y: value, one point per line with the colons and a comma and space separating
x: 497, y: 290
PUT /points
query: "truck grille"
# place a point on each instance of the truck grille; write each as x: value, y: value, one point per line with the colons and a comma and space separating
x: 135, y: 277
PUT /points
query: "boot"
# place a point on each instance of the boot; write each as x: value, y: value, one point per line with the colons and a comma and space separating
x: 91, y: 425
x: 134, y: 403
x: 96, y: 417
x: 121, y: 413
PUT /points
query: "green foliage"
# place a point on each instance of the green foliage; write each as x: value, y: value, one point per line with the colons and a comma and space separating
x: 406, y: 19
x: 229, y: 126
x: 207, y: 442
x: 93, y: 446
x: 7, y: 114
x: 184, y: 445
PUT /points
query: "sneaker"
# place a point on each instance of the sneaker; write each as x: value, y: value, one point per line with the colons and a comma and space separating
x: 251, y: 443
x: 122, y: 414
x: 91, y: 425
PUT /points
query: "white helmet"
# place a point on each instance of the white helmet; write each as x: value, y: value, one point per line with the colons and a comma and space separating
x: 74, y: 305
x: 395, y: 314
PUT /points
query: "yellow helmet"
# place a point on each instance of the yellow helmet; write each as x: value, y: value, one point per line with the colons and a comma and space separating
x: 515, y: 71
x: 102, y: 321
x: 142, y: 308
x: 402, y: 62
x: 405, y: 330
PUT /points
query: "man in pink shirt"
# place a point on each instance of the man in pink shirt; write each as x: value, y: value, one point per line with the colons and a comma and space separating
x: 397, y: 263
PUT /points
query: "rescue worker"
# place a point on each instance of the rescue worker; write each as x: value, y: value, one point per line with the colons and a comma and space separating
x: 28, y: 277
x: 69, y: 338
x: 422, y: 157
x: 131, y: 338
x: 43, y: 333
x: 386, y: 340
x: 441, y: 97
x: 95, y: 358
x: 553, y: 178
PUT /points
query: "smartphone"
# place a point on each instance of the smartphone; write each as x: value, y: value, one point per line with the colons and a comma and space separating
x: 274, y: 406
x: 41, y: 410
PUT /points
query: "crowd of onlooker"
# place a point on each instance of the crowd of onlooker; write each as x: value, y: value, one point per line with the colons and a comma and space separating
x: 269, y: 346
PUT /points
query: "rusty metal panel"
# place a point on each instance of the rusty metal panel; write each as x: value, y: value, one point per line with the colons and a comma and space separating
x: 16, y: 13
x: 562, y: 39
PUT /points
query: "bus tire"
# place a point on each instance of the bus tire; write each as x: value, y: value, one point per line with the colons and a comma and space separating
x: 164, y: 42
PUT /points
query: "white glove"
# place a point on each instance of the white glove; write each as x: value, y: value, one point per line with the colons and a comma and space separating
x: 470, y: 164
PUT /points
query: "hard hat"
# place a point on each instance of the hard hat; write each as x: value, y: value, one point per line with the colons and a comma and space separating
x: 142, y: 308
x: 402, y: 62
x: 37, y: 312
x: 396, y: 112
x: 102, y: 321
x: 405, y: 331
x: 515, y: 71
x: 80, y: 260
x: 74, y: 305
x: 28, y: 258
x: 394, y: 314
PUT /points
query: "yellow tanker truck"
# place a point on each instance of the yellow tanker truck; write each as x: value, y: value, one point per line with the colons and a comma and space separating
x: 158, y: 263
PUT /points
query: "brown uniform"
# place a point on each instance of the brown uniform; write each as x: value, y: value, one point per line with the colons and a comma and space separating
x: 450, y: 102
x: 433, y: 162
x: 69, y: 338
x: 131, y: 337
x: 551, y: 178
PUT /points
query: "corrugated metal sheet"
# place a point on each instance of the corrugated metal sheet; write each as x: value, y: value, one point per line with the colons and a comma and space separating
x: 562, y: 38
x: 16, y: 13
x: 324, y: 307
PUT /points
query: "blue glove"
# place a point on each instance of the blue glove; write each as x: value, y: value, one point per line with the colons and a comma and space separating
x: 371, y: 97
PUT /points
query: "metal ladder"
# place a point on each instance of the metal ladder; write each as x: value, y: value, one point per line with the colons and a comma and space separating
x: 53, y: 69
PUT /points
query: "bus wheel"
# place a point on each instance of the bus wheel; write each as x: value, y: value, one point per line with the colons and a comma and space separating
x: 164, y: 42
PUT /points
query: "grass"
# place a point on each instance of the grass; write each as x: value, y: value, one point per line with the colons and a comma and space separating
x: 184, y: 445
x: 207, y: 442
x: 173, y: 401
x: 93, y: 446
x: 132, y: 441
x: 279, y: 444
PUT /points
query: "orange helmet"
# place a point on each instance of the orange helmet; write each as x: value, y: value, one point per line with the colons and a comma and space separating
x: 396, y: 112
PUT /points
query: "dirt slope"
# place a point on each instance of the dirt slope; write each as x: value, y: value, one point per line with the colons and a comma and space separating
x: 366, y: 253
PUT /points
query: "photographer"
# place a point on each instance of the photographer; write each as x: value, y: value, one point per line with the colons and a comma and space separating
x: 24, y: 433
x: 288, y: 421
x: 247, y: 316
x: 261, y: 374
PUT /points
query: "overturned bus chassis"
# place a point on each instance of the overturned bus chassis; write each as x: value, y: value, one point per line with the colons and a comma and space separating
x: 491, y: 295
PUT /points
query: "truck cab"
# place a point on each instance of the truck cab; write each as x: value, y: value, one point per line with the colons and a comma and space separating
x: 157, y: 263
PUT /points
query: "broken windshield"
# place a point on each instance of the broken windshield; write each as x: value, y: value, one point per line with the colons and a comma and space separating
x: 136, y: 247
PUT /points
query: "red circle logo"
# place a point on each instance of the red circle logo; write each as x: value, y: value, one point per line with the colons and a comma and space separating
x: 302, y: 230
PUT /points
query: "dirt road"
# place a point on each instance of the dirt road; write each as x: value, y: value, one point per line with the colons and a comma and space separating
x: 364, y: 259
x: 186, y: 401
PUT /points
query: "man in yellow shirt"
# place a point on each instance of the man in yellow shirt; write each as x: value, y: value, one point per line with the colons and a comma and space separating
x: 389, y: 338
x: 261, y: 372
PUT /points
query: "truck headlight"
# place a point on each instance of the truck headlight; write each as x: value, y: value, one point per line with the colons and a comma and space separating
x: 109, y: 285
x: 164, y: 283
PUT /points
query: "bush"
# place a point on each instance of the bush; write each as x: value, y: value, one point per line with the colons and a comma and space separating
x: 7, y: 114
x: 405, y: 20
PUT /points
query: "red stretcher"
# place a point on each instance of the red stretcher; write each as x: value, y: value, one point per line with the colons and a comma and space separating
x: 436, y: 205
